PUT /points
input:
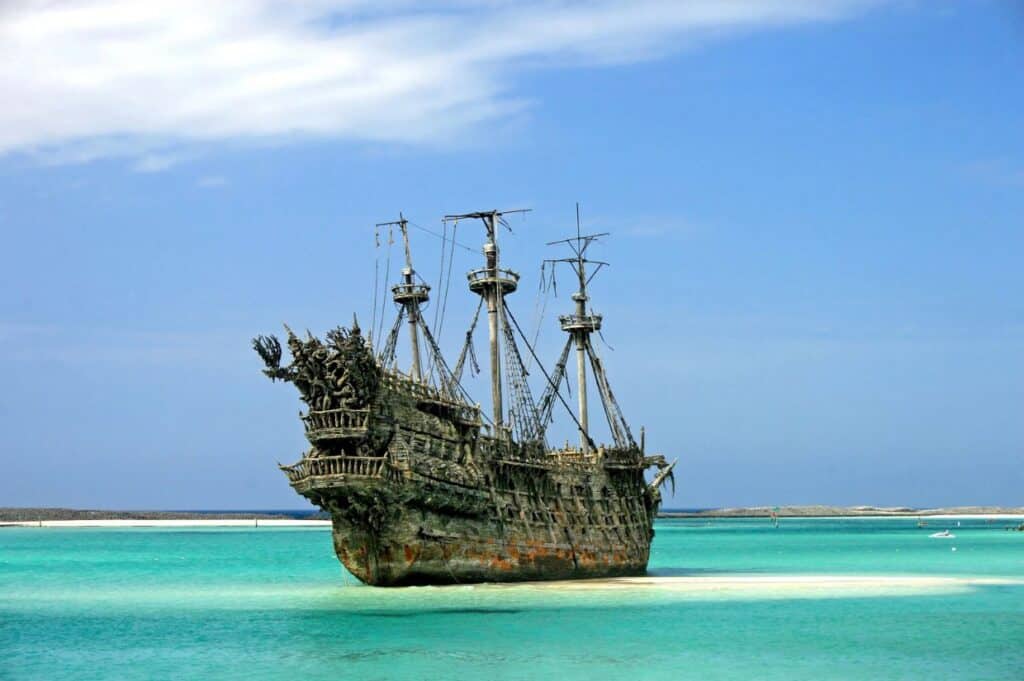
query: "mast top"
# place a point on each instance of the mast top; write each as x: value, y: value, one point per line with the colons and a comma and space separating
x: 403, y: 225
x: 491, y: 219
x: 410, y: 295
x: 579, y: 245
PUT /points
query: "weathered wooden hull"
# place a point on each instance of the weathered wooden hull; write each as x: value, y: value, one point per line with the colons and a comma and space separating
x: 419, y: 496
x: 412, y: 544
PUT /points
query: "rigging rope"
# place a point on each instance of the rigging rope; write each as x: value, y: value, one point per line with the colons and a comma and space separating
x: 616, y: 421
x: 525, y: 417
x: 387, y: 355
x: 435, y: 234
x: 376, y: 283
x: 440, y: 272
x: 540, y: 307
x: 558, y: 393
x: 547, y: 400
x: 444, y: 300
x: 467, y: 348
x: 449, y: 385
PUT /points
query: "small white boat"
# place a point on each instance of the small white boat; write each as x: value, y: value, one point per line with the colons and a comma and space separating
x: 945, y: 534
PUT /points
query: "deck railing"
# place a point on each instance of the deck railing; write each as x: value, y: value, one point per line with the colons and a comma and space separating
x: 336, y: 424
x: 348, y: 466
x: 427, y: 393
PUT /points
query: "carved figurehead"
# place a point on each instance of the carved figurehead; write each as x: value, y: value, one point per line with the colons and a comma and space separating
x: 340, y: 373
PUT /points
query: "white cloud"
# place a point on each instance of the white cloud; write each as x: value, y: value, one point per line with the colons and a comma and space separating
x: 86, y: 79
x: 155, y: 163
x: 212, y: 181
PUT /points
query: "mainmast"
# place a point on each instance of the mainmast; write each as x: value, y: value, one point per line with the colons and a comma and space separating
x: 580, y: 325
x: 492, y: 283
x: 410, y: 295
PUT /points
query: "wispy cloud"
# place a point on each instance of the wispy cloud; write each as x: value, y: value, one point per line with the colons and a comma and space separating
x: 155, y: 163
x: 84, y: 79
x: 212, y: 181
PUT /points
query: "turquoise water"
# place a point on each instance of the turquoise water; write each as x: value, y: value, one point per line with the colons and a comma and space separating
x: 274, y: 604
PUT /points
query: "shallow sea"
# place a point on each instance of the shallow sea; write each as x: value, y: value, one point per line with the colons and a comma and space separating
x: 267, y: 603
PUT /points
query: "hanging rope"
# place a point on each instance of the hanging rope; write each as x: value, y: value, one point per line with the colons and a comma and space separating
x: 440, y: 272
x: 467, y: 348
x: 423, y: 229
x: 441, y: 306
x: 540, y: 307
x: 547, y: 400
x: 444, y: 299
x: 616, y: 421
x: 548, y: 377
x: 524, y: 415
x: 376, y: 281
x: 387, y: 276
x: 387, y: 355
x: 448, y: 383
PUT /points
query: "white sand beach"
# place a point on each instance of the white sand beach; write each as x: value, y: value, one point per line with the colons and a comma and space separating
x: 227, y: 522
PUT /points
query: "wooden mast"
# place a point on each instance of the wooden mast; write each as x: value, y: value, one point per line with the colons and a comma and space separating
x: 580, y: 325
x: 493, y: 283
x: 410, y: 295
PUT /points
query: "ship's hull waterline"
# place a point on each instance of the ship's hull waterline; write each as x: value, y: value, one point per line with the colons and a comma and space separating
x: 413, y: 560
x: 412, y: 544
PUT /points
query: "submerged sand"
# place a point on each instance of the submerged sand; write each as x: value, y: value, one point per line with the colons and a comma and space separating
x: 773, y: 582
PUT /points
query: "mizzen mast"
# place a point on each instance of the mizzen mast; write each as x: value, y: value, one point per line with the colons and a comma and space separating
x: 410, y: 295
x: 580, y: 325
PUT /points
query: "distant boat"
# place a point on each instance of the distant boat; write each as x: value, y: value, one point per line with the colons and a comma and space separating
x: 945, y: 534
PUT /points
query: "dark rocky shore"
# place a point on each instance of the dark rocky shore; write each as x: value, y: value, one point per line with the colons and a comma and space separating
x: 837, y: 511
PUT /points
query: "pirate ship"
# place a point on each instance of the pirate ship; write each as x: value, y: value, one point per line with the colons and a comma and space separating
x: 424, y: 487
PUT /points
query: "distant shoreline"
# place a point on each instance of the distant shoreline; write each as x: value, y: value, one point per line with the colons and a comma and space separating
x: 848, y: 512
x: 66, y: 517
x: 36, y: 515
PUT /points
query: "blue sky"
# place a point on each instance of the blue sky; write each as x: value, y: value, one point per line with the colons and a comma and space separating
x: 816, y: 215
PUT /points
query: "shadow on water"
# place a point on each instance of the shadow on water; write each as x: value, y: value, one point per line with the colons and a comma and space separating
x: 699, y: 572
x: 438, y: 611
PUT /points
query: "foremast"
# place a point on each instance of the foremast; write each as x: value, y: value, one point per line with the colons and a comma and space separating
x: 410, y: 295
